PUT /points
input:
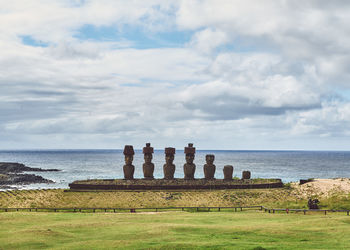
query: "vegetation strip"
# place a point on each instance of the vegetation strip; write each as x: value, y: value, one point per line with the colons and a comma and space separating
x: 124, y: 209
x: 133, y: 210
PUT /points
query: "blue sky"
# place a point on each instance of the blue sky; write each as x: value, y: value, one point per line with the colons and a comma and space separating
x: 140, y: 38
x: 221, y: 74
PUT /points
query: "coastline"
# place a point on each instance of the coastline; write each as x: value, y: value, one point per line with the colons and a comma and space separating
x: 12, y: 175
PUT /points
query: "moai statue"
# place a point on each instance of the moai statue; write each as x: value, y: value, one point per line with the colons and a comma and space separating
x: 128, y: 168
x: 228, y: 172
x: 169, y: 167
x: 246, y: 175
x: 148, y: 166
x: 209, y: 168
x: 189, y: 166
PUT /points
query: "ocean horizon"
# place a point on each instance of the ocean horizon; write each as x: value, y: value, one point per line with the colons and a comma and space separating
x: 79, y: 164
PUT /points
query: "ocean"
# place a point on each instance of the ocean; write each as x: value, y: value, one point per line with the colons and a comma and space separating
x: 108, y: 164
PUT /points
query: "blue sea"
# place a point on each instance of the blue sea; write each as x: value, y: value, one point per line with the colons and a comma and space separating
x: 108, y: 164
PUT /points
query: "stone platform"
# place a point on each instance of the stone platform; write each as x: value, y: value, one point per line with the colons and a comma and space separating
x: 175, y: 184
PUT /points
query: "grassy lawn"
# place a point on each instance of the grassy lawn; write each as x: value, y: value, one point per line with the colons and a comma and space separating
x: 234, y: 230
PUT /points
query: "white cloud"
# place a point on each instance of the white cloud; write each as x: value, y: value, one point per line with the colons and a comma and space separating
x: 254, y: 74
x: 206, y: 40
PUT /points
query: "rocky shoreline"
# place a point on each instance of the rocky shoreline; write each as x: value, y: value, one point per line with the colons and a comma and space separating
x: 11, y: 173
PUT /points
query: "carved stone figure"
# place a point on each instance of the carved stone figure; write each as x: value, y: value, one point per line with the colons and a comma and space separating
x: 128, y: 168
x: 148, y: 166
x: 246, y: 175
x: 189, y: 166
x: 169, y: 167
x: 228, y: 172
x: 209, y: 168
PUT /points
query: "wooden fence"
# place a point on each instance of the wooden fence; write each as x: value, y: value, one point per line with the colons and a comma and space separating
x: 287, y: 210
x: 132, y: 210
x: 159, y: 209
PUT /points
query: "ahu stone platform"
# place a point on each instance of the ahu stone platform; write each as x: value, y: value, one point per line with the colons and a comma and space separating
x: 175, y: 184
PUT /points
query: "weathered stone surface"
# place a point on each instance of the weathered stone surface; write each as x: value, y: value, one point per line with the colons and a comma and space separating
x: 128, y: 150
x: 148, y: 166
x: 169, y: 151
x: 209, y: 168
x: 246, y: 175
x: 128, y: 168
x: 190, y: 149
x: 169, y: 167
x: 228, y: 172
x: 174, y: 184
x: 189, y: 166
x: 148, y: 149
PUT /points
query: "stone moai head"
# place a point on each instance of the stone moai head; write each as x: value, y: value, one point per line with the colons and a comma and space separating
x: 246, y: 175
x: 190, y: 151
x: 129, y: 154
x: 169, y: 155
x: 210, y: 159
x: 148, y: 151
x: 228, y: 172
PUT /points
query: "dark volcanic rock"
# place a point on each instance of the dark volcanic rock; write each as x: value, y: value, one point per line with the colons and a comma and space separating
x: 228, y: 172
x: 174, y: 184
x: 22, y: 179
x: 14, y: 167
x: 11, y: 174
x: 246, y: 175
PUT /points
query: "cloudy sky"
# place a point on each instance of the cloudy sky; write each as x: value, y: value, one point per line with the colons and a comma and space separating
x: 221, y: 74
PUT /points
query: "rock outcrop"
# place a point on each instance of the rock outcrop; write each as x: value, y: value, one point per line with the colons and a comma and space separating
x: 11, y: 174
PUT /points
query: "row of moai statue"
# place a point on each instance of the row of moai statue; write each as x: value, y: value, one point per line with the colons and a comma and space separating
x: 169, y: 167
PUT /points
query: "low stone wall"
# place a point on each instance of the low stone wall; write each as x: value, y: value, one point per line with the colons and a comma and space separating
x: 177, y: 184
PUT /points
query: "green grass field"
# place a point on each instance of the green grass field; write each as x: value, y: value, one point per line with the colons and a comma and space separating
x: 212, y: 230
x: 172, y: 229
